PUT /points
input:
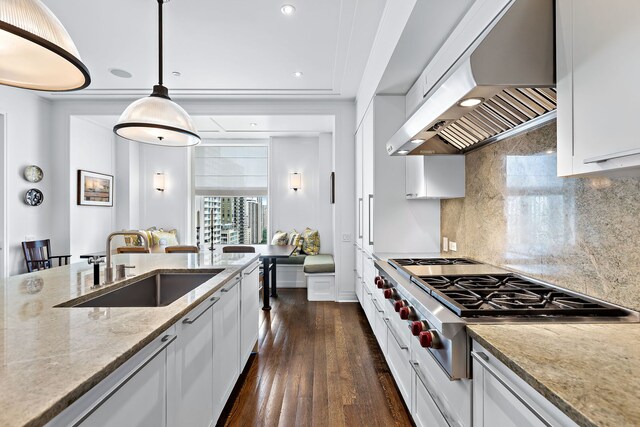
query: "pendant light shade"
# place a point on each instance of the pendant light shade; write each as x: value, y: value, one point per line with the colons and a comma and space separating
x: 36, y: 52
x: 156, y: 119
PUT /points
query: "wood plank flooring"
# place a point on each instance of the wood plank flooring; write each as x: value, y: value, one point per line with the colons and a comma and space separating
x: 319, y: 365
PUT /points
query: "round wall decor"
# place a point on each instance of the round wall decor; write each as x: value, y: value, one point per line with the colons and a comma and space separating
x: 33, y: 173
x: 33, y: 197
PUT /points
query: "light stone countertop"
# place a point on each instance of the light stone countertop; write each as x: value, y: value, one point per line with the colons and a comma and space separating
x: 50, y: 356
x: 589, y: 371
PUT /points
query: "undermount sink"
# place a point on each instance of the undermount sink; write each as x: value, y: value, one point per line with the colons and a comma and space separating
x: 155, y: 291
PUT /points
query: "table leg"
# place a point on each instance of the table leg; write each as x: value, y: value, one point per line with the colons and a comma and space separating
x: 274, y: 290
x: 265, y: 284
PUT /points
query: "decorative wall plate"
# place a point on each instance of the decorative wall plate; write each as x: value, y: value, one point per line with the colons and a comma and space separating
x: 33, y: 173
x: 34, y: 197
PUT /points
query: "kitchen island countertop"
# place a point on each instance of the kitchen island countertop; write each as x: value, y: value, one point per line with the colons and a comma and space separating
x: 589, y: 371
x: 50, y: 356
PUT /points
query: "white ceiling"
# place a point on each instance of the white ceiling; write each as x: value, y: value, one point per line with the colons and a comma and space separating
x: 237, y: 47
x: 240, y: 127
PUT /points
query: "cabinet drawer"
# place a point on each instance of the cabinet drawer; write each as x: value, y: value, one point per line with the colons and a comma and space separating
x: 424, y: 410
x: 398, y: 360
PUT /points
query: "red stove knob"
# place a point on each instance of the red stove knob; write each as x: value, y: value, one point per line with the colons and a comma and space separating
x: 399, y: 304
x: 429, y: 339
x: 381, y: 283
x: 375, y: 279
x: 406, y: 312
x: 418, y: 326
x: 389, y: 293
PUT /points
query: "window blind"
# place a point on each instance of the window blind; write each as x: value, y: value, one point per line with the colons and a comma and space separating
x: 231, y: 170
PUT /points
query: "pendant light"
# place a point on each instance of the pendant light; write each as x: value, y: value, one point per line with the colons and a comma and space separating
x: 36, y: 52
x: 156, y: 119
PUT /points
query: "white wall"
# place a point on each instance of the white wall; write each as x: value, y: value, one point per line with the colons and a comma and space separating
x: 297, y: 210
x: 28, y: 141
x: 92, y: 148
x: 127, y: 185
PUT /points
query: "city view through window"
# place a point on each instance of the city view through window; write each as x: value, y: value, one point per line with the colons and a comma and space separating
x: 234, y: 220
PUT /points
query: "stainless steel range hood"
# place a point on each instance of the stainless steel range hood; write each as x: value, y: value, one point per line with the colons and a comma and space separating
x: 510, y: 70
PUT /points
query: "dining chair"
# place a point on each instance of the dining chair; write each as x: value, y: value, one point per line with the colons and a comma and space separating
x: 37, y: 255
x: 132, y: 250
x: 181, y: 249
x: 238, y: 249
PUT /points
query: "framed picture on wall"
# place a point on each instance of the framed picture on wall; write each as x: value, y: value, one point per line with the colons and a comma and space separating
x: 95, y: 189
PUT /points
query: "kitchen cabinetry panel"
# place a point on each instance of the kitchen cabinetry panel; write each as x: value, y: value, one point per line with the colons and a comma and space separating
x: 424, y: 410
x: 598, y: 61
x: 249, y: 311
x: 502, y: 398
x: 435, y: 177
x: 226, y: 324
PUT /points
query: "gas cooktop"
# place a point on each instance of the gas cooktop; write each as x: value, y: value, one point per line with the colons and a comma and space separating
x: 404, y: 262
x: 510, y: 295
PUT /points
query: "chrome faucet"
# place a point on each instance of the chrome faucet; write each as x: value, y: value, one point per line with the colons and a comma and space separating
x: 108, y: 274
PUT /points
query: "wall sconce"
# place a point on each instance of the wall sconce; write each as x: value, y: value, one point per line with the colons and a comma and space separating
x: 158, y: 181
x: 295, y: 181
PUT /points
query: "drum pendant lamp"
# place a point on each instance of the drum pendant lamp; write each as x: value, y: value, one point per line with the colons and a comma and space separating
x: 156, y: 119
x: 36, y: 51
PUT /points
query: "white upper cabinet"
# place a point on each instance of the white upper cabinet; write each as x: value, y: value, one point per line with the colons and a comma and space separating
x: 598, y: 60
x: 435, y: 177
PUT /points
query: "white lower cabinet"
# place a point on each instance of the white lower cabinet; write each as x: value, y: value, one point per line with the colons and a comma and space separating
x: 424, y: 410
x: 501, y: 398
x: 398, y: 357
x: 183, y: 377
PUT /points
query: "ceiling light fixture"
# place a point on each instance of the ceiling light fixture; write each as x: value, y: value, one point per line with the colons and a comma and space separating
x: 403, y: 152
x: 288, y: 9
x: 253, y: 124
x: 417, y: 141
x: 470, y: 102
x: 176, y: 73
x: 297, y: 74
x: 36, y: 50
x: 156, y: 119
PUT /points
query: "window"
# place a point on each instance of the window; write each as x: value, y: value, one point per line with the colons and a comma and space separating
x: 231, y: 193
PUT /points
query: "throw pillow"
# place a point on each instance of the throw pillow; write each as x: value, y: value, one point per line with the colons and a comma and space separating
x: 280, y: 238
x: 164, y: 238
x: 135, y: 240
x: 311, y: 241
x: 295, y: 239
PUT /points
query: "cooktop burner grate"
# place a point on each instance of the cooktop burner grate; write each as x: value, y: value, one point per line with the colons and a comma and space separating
x: 406, y: 262
x: 509, y: 295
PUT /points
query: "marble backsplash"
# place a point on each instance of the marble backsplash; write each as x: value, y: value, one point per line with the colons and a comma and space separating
x: 579, y: 233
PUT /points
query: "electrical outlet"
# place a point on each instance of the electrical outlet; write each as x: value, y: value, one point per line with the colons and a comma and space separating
x: 346, y: 237
x: 445, y: 244
x: 453, y: 246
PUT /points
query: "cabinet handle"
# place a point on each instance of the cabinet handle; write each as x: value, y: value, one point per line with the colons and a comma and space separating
x: 165, y: 342
x: 253, y: 269
x: 480, y: 357
x: 360, y: 218
x: 225, y: 290
x: 188, y: 321
x: 607, y: 157
x: 375, y: 303
x: 370, y: 220
x: 415, y: 365
x: 411, y: 195
x: 393, y: 333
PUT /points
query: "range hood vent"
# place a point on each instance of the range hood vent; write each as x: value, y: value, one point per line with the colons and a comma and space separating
x: 507, y: 111
x: 509, y: 72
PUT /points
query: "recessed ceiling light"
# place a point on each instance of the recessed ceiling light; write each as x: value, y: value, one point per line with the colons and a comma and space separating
x: 176, y: 73
x: 470, y: 102
x: 550, y: 151
x: 403, y: 152
x: 297, y: 74
x: 123, y: 74
x: 417, y: 141
x: 253, y: 124
x: 288, y: 9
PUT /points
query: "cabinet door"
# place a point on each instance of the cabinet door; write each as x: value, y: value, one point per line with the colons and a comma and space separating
x: 424, y: 410
x: 367, y: 179
x: 140, y: 397
x: 249, y: 311
x: 359, y: 198
x: 226, y: 325
x: 398, y: 360
x: 195, y: 363
x: 414, y: 177
x: 598, y: 64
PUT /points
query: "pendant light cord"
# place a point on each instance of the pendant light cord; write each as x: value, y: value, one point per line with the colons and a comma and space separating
x: 160, y: 41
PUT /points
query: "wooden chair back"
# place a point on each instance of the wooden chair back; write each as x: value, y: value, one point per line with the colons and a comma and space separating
x: 132, y: 250
x: 238, y: 249
x: 181, y: 249
x: 36, y: 254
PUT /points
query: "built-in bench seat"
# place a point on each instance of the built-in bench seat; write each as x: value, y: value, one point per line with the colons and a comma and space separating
x: 319, y: 271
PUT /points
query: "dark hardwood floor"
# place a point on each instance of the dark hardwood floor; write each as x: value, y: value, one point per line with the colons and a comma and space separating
x: 319, y: 365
